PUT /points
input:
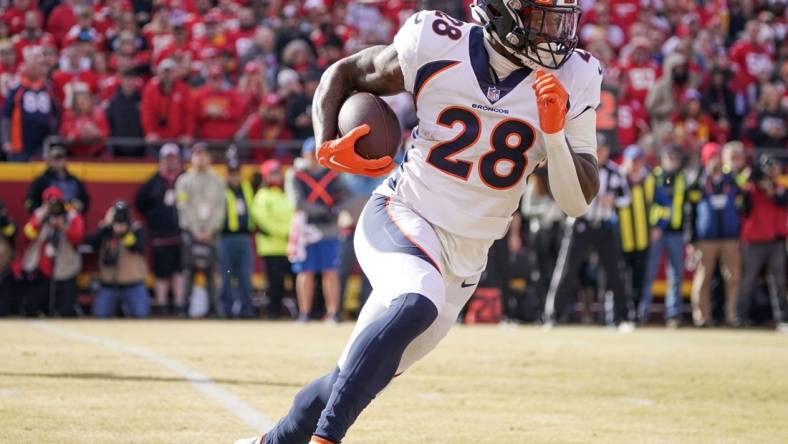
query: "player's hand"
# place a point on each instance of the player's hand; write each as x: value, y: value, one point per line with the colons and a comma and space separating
x: 551, y: 101
x: 340, y: 155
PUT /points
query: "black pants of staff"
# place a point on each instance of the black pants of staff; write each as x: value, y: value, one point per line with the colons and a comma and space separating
x: 635, y: 263
x: 580, y: 239
x: 276, y: 269
x: 42, y: 296
x: 498, y: 274
x: 544, y: 246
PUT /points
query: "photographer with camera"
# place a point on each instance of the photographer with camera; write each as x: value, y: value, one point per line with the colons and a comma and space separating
x: 122, y: 268
x: 764, y: 229
x: 8, y: 301
x: 49, y: 263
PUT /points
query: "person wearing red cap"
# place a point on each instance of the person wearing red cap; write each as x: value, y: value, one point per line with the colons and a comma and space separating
x: 272, y: 212
x: 716, y: 200
x: 50, y: 262
x: 217, y: 107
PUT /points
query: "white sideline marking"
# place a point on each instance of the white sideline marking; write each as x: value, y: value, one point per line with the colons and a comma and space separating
x: 7, y: 393
x: 245, y: 412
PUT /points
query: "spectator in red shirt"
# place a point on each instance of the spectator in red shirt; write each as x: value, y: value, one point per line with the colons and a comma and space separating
x: 5, y: 33
x: 15, y: 15
x: 182, y: 45
x: 215, y: 36
x: 167, y: 107
x: 8, y: 70
x: 31, y: 35
x: 243, y: 37
x: 632, y: 120
x: 764, y: 229
x: 84, y: 29
x: 61, y: 20
x: 74, y: 72
x: 252, y: 88
x: 218, y: 109
x: 84, y: 127
x: 267, y: 125
x: 750, y: 57
x: 639, y: 72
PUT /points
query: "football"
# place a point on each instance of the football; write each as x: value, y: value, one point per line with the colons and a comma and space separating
x: 384, y: 136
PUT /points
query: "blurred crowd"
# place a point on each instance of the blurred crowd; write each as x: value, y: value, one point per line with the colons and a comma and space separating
x: 693, y: 130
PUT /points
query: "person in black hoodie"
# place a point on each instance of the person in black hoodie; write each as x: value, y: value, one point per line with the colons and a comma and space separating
x: 155, y: 201
x: 57, y: 175
x: 123, y: 116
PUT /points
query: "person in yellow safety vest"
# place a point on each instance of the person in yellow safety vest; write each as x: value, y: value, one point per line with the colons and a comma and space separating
x: 272, y: 211
x: 667, y: 234
x: 235, y: 245
x: 633, y: 219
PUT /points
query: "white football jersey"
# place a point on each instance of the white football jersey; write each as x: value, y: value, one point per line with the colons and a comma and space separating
x: 477, y: 139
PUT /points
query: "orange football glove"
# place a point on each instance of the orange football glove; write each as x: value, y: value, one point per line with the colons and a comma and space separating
x: 551, y: 100
x: 340, y: 155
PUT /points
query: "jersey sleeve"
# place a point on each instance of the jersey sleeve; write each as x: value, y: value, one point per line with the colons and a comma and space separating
x: 417, y: 44
x: 406, y: 42
x: 585, y: 83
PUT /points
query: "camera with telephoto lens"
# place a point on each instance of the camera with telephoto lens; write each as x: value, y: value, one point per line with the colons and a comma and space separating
x: 56, y: 207
x: 759, y: 169
x: 120, y: 215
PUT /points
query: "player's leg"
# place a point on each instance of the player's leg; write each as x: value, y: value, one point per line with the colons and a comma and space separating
x: 396, y: 249
x: 305, y: 292
x: 300, y: 422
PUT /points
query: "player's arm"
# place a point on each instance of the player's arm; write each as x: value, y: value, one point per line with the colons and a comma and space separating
x: 375, y: 70
x: 573, y: 177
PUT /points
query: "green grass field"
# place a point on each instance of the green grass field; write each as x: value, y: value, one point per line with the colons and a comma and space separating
x: 123, y: 382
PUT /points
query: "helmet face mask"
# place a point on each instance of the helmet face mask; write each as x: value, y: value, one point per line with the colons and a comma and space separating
x: 540, y: 31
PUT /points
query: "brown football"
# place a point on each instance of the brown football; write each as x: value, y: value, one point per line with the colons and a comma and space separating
x: 384, y: 136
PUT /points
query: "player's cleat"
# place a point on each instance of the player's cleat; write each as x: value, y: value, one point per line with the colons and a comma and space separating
x: 782, y: 327
x: 319, y: 440
x: 626, y: 327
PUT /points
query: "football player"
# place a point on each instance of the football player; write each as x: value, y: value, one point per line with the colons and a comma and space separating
x: 493, y: 101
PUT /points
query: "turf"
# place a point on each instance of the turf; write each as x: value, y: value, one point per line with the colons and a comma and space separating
x: 482, y: 385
